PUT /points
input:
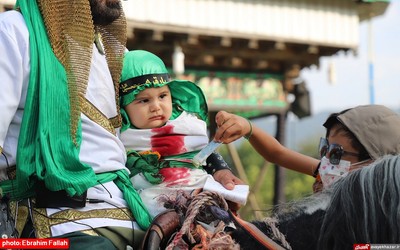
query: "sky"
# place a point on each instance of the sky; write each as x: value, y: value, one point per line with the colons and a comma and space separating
x: 352, y: 71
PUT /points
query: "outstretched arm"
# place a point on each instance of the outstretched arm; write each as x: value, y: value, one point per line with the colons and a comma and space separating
x: 232, y: 127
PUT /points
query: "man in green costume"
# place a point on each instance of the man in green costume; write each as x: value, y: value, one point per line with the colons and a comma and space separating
x: 61, y: 64
x: 62, y: 162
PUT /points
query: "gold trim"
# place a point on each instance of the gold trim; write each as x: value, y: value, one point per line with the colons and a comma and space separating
x: 43, y: 222
x: 20, y: 216
x: 11, y: 172
x: 116, y: 121
x: 1, y: 150
x: 94, y: 114
x: 71, y: 32
x: 90, y: 232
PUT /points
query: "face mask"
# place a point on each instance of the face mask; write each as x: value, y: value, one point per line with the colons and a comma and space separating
x: 331, y: 173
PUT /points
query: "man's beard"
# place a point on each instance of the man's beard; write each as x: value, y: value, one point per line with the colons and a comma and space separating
x: 105, y: 12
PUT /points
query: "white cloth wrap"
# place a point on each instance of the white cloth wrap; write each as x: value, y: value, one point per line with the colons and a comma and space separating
x: 193, y: 129
x: 151, y: 193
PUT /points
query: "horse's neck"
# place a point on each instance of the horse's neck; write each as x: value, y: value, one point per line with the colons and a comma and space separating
x: 302, y: 222
x: 302, y: 231
x: 297, y: 223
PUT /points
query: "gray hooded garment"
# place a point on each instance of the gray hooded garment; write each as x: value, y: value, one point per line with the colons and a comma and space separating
x: 375, y: 126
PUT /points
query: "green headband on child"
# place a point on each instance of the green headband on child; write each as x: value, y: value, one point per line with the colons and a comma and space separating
x: 132, y: 84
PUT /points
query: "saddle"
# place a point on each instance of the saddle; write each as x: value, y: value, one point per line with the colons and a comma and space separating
x: 256, y: 234
x: 205, y: 223
x: 161, y: 230
x: 198, y: 224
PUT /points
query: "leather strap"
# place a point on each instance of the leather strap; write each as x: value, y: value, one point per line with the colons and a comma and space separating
x: 160, y: 231
x: 256, y: 233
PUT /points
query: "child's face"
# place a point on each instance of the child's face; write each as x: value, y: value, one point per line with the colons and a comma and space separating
x: 337, y: 136
x: 152, y: 108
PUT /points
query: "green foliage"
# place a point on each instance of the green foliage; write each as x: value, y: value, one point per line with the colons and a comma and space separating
x: 298, y: 185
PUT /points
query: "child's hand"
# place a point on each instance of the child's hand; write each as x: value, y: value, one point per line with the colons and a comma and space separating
x: 228, y: 180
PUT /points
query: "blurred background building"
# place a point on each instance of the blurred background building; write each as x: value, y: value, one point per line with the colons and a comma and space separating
x: 247, y: 54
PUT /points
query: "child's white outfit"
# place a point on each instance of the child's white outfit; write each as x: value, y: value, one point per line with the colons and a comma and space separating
x: 185, y: 134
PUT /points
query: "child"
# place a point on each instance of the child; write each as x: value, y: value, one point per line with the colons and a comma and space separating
x: 354, y: 138
x: 164, y: 126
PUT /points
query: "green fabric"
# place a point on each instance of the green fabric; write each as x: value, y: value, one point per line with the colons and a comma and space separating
x: 132, y: 198
x: 79, y: 241
x: 46, y: 150
x: 147, y: 164
x: 138, y: 63
x: 122, y: 236
x: 109, y: 238
x: 150, y: 164
x: 186, y: 95
x: 189, y: 97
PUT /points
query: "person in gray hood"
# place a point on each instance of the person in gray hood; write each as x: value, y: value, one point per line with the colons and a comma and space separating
x: 354, y: 138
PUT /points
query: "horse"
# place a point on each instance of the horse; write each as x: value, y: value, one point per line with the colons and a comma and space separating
x: 293, y: 225
x: 361, y: 208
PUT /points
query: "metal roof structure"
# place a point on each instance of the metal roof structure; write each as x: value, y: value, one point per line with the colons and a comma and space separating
x: 247, y: 36
x: 244, y: 46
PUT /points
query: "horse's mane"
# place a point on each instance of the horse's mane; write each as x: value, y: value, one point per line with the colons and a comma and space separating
x: 297, y: 222
x: 365, y: 207
x: 300, y: 220
x: 307, y: 205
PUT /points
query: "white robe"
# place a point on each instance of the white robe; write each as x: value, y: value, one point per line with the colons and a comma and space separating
x: 99, y: 149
